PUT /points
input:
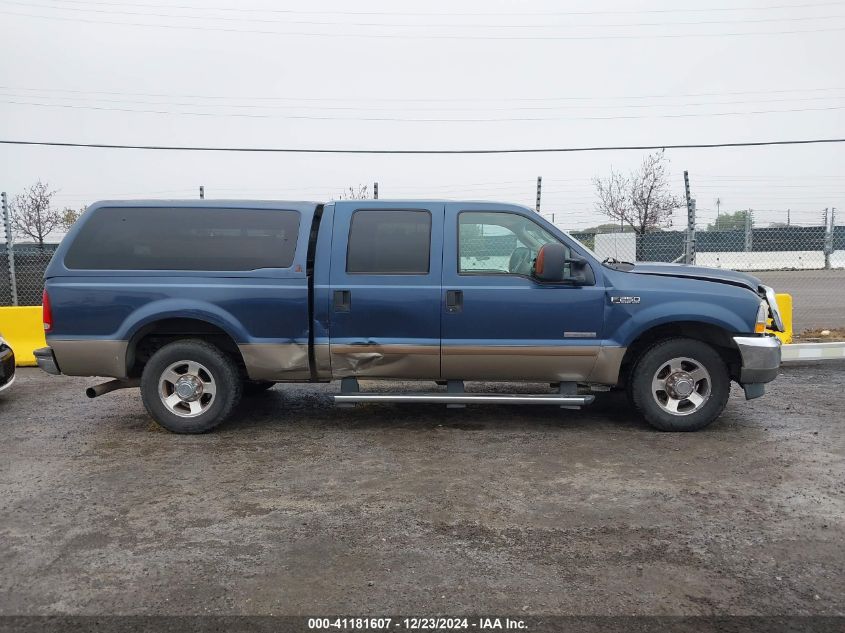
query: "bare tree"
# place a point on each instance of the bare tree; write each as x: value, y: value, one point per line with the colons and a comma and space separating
x: 651, y: 193
x: 69, y: 217
x: 613, y: 196
x: 32, y: 215
x: 643, y: 199
x: 353, y: 193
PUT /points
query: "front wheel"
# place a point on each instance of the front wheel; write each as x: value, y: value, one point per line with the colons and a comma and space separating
x: 190, y: 386
x: 680, y: 385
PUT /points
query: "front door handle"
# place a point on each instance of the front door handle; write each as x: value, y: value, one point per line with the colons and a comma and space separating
x: 342, y: 301
x: 454, y: 301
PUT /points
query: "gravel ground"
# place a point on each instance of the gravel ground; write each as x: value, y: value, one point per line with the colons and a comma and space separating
x: 300, y: 508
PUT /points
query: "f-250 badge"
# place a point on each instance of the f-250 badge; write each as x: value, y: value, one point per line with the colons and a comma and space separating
x: 624, y: 300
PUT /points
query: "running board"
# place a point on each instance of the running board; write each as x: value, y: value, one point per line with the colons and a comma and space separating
x: 466, y: 398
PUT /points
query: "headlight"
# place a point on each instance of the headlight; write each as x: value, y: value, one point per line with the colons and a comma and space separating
x: 762, y: 318
x: 771, y: 299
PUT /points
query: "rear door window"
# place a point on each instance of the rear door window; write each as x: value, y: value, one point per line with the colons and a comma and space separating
x: 179, y: 238
x: 389, y: 242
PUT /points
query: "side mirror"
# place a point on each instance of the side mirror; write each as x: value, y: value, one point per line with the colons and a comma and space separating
x: 581, y: 272
x: 550, y: 261
x: 552, y: 265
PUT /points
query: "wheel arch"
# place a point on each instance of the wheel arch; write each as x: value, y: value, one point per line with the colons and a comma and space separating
x: 152, y: 336
x: 714, y: 335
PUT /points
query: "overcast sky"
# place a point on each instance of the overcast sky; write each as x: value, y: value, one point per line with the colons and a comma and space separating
x: 408, y: 75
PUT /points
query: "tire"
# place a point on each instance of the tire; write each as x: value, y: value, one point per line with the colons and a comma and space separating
x: 196, y: 366
x: 668, y: 371
x: 255, y: 387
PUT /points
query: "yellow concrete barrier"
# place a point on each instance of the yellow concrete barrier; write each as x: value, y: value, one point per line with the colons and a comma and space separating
x: 23, y: 328
x: 785, y: 304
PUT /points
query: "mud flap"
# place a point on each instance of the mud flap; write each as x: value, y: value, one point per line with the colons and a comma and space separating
x: 754, y: 390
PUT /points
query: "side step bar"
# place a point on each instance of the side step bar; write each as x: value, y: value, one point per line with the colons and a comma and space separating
x: 467, y: 398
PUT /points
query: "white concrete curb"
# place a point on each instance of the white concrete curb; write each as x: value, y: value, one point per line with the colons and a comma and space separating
x: 812, y: 351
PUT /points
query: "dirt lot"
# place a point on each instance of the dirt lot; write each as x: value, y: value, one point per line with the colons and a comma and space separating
x: 301, y: 508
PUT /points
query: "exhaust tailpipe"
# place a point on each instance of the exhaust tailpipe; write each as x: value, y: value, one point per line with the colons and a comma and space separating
x: 112, y: 385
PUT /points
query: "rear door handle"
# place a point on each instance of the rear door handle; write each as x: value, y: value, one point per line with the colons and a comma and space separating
x: 454, y: 301
x: 342, y: 301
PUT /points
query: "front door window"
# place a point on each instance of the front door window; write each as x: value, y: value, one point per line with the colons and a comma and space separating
x: 499, y: 243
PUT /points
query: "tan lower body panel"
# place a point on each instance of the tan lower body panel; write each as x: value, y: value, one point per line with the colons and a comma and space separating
x: 270, y: 361
x: 289, y: 361
x: 512, y: 363
x: 606, y: 369
x: 276, y: 361
x: 547, y: 364
x: 385, y: 361
x: 323, y: 361
x: 90, y: 357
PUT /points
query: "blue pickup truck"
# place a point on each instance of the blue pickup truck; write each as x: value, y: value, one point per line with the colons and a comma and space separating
x: 199, y: 302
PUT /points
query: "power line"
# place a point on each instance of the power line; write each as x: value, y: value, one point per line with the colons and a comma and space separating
x: 437, y: 99
x: 311, y: 117
x: 767, y: 186
x: 367, y: 108
x: 540, y: 150
x: 406, y: 36
x: 416, y: 25
x: 721, y: 177
x: 465, y: 14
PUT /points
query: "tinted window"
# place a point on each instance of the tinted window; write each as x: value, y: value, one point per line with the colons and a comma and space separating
x: 166, y: 238
x: 500, y: 243
x: 389, y: 242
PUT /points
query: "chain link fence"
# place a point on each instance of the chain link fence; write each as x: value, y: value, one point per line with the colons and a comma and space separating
x: 22, y: 274
x: 22, y: 264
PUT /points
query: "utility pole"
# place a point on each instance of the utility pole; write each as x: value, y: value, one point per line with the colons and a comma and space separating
x: 787, y: 217
x: 10, y: 247
x: 690, y: 247
x: 539, y: 191
x: 202, y: 192
x: 375, y: 190
x: 749, y: 234
x: 718, y: 208
x: 829, y: 223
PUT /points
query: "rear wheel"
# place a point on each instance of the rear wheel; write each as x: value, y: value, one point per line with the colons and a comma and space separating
x: 190, y: 386
x: 680, y: 385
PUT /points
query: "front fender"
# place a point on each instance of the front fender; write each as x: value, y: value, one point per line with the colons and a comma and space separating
x: 639, y: 319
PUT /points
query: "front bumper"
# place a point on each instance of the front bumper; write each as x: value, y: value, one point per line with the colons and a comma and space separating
x: 760, y: 358
x: 46, y: 360
x: 7, y: 366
